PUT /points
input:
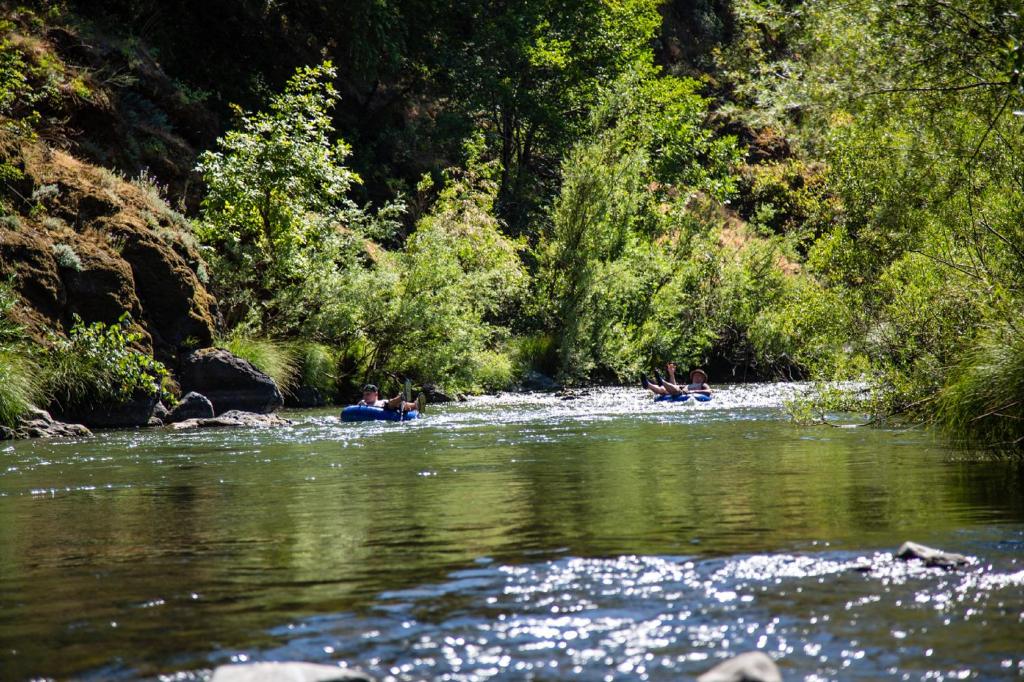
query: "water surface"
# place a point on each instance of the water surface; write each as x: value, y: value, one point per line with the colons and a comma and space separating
x: 518, y: 537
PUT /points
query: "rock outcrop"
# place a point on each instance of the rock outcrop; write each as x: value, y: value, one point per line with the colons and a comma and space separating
x: 192, y: 406
x: 85, y: 242
x: 229, y: 382
x: 235, y: 418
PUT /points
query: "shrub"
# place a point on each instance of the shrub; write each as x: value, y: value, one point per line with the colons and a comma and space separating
x: 98, y: 364
x: 66, y: 257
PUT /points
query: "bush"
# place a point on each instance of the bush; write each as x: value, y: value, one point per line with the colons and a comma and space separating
x: 277, y: 359
x: 99, y: 364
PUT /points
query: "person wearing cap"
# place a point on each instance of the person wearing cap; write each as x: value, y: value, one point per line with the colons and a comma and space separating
x: 698, y: 382
x: 371, y: 398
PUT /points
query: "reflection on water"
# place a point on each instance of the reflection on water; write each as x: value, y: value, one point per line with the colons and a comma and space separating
x: 504, y: 525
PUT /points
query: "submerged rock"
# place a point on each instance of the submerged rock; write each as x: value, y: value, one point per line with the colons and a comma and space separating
x: 38, y: 423
x: 931, y: 556
x: 232, y: 418
x: 753, y: 666
x: 192, y: 406
x: 287, y: 672
x: 229, y: 382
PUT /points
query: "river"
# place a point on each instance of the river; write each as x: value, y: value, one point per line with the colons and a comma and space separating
x: 512, y: 537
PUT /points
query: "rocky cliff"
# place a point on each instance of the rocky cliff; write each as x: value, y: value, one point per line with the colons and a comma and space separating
x: 80, y: 240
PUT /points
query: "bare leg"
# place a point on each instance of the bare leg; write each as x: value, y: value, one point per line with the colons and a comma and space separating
x: 672, y: 389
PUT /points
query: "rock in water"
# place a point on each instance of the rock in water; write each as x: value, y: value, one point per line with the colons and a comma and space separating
x: 38, y: 423
x: 752, y: 666
x: 435, y: 394
x: 161, y: 412
x: 232, y: 418
x: 229, y: 382
x: 287, y: 672
x: 931, y: 556
x: 192, y: 406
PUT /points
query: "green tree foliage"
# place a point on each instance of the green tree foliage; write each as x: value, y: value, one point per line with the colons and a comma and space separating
x: 912, y: 105
x: 622, y: 224
x: 431, y: 310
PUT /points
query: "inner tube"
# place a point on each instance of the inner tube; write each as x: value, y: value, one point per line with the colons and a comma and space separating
x: 682, y: 398
x: 365, y: 413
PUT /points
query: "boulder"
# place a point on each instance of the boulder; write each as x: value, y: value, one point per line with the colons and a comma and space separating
x: 535, y: 381
x: 229, y: 382
x: 232, y: 418
x: 192, y: 406
x: 435, y: 394
x: 931, y: 556
x: 753, y: 666
x: 161, y: 412
x: 135, y: 412
x: 287, y: 672
x: 305, y: 396
x: 38, y: 423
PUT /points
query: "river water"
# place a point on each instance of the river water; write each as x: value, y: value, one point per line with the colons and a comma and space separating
x: 513, y: 537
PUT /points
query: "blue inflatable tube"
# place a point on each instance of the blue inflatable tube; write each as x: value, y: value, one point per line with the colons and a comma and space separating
x: 365, y: 413
x: 699, y: 397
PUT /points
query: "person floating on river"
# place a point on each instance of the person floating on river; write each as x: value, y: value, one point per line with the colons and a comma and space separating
x: 660, y: 386
x: 371, y: 398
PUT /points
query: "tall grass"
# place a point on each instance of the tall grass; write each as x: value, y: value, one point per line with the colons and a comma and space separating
x: 319, y: 367
x: 279, y: 360
x: 982, y: 404
x: 20, y: 384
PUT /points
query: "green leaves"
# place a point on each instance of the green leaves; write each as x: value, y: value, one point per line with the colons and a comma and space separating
x: 99, y: 363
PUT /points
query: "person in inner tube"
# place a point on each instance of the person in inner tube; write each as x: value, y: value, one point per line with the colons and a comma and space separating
x: 371, y: 398
x: 660, y: 386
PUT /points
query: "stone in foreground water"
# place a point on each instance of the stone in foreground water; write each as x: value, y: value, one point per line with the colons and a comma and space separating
x: 287, y: 672
x: 752, y: 666
x: 930, y: 555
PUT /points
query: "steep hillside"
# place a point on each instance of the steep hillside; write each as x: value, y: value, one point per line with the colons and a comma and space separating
x: 80, y: 240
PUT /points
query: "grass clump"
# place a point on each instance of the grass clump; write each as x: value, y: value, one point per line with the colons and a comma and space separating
x: 982, y: 404
x: 20, y: 383
x: 66, y: 257
x: 319, y: 368
x: 279, y: 360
